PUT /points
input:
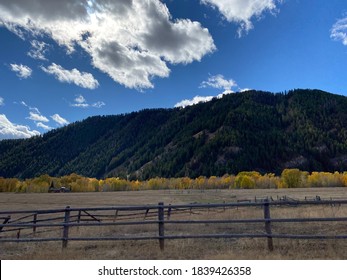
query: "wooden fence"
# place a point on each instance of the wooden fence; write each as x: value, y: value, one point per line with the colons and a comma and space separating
x: 64, y: 224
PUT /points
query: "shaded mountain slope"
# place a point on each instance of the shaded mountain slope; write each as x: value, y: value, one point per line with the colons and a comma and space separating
x: 244, y: 131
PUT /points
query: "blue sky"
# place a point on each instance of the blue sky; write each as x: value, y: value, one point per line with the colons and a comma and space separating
x: 62, y: 61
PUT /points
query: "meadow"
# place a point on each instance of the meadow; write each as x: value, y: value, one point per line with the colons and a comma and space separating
x: 250, y: 248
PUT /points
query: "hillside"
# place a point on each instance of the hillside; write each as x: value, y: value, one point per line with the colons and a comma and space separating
x: 253, y: 130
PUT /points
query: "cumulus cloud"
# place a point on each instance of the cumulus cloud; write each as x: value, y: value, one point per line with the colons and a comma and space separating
x: 200, y: 99
x: 2, y: 102
x: 34, y: 113
x: 197, y: 99
x: 81, y: 79
x: 81, y: 102
x: 22, y: 71
x: 43, y: 126
x: 131, y: 41
x: 242, y: 11
x: 37, y: 117
x: 218, y: 81
x: 80, y: 99
x: 339, y: 31
x: 59, y: 120
x: 38, y: 50
x: 9, y: 130
x: 40, y: 120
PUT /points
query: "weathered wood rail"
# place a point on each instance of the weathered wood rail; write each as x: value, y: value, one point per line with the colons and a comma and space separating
x: 64, y: 224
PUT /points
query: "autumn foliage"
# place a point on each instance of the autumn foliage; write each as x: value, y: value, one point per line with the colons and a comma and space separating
x: 289, y: 178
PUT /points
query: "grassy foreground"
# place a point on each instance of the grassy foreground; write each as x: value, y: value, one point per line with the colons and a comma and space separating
x: 245, y: 249
x: 187, y: 249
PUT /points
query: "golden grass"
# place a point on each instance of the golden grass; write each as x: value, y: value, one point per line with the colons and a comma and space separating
x: 27, y: 201
x: 243, y: 249
x: 248, y: 248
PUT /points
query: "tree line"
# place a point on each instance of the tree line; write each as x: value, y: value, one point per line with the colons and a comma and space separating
x: 289, y: 178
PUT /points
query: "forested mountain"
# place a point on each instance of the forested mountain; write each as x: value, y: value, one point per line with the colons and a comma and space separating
x: 253, y: 130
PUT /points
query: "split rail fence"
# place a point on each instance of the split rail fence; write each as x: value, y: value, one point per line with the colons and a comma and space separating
x: 65, y: 225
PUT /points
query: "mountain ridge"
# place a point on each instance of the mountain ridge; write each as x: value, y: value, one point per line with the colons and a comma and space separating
x: 253, y: 130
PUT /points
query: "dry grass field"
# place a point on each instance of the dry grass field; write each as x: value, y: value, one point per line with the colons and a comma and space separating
x: 248, y: 248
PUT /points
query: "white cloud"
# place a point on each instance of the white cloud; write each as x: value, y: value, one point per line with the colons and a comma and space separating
x: 339, y: 31
x: 98, y: 104
x: 22, y: 71
x: 34, y: 109
x: 2, y: 101
x: 43, y: 126
x: 40, y: 120
x: 58, y: 119
x: 37, y: 117
x: 131, y: 41
x: 80, y: 105
x: 200, y: 99
x: 81, y: 102
x: 80, y: 99
x: 34, y: 114
x: 9, y: 130
x: 24, y: 104
x: 38, y: 50
x: 218, y: 81
x: 242, y: 11
x: 81, y: 79
x: 197, y: 99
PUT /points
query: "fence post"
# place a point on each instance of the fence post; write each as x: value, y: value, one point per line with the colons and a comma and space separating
x: 161, y: 224
x: 147, y: 211
x: 34, y: 222
x: 115, y: 215
x: 169, y: 212
x: 79, y: 219
x: 66, y: 226
x: 268, y: 224
x: 79, y: 216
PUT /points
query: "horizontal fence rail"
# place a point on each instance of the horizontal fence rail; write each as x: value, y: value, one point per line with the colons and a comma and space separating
x: 155, y: 222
